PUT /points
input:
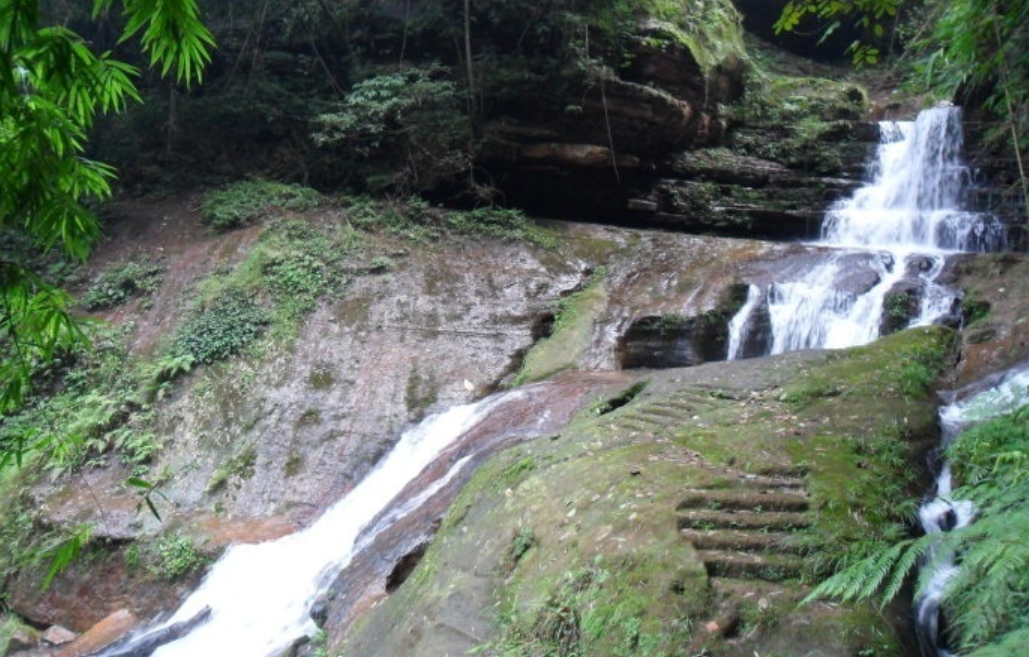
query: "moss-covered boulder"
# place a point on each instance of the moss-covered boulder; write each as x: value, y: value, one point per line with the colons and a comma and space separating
x: 689, y: 516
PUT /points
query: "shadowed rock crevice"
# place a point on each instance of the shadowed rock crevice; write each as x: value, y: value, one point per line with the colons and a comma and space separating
x: 404, y: 567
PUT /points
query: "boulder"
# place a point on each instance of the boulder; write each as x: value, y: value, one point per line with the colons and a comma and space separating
x: 109, y: 630
x: 22, y: 637
x: 57, y: 635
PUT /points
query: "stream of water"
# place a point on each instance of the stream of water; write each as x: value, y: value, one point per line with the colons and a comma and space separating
x: 890, y: 237
x: 1005, y: 393
x: 260, y: 595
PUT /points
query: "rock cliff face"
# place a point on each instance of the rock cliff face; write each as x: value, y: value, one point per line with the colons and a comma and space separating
x: 685, y: 520
x: 757, y: 154
x: 690, y: 504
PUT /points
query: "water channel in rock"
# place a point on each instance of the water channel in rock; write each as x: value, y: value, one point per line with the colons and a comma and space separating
x: 997, y: 395
x: 256, y: 601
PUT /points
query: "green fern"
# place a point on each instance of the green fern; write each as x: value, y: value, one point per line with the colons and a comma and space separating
x: 987, y: 600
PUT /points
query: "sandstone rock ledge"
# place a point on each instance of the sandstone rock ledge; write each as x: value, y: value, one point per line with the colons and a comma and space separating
x: 692, y: 517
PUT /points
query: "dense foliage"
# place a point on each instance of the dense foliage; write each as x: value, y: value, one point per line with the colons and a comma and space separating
x: 974, y: 51
x: 405, y: 127
x: 986, y: 599
x: 247, y: 202
x: 52, y: 87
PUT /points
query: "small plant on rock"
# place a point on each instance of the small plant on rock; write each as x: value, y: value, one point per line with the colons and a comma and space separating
x: 172, y: 557
x: 250, y: 201
x: 118, y: 284
x: 222, y: 327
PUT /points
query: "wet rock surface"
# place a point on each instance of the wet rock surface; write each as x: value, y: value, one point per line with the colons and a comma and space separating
x: 257, y: 449
x: 451, y: 323
x: 696, y: 498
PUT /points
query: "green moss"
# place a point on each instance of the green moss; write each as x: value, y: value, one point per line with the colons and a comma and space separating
x: 294, y: 464
x: 239, y: 468
x: 710, y: 30
x: 789, y: 119
x: 309, y: 417
x: 419, y: 393
x: 907, y: 362
x: 321, y: 378
x: 571, y: 335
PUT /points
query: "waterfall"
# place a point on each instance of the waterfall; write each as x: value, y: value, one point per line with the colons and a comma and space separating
x: 913, y: 202
x: 260, y: 595
x: 903, y: 223
x: 942, y: 513
x: 900, y: 228
x: 740, y: 325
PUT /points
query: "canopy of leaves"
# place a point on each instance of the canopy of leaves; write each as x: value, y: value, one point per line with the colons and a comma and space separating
x: 870, y: 16
x: 52, y: 87
x: 974, y: 50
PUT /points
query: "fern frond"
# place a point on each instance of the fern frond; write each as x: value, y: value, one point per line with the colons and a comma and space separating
x: 885, y: 571
x: 1010, y: 644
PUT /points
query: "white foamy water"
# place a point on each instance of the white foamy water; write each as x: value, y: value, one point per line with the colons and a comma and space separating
x: 943, y: 513
x: 909, y: 215
x: 260, y: 595
x: 739, y: 326
x: 913, y: 203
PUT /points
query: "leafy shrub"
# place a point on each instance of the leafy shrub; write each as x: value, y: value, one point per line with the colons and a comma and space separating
x: 221, y: 328
x: 116, y: 285
x: 405, y: 130
x: 249, y: 201
x: 172, y: 557
x: 298, y: 263
x: 416, y: 219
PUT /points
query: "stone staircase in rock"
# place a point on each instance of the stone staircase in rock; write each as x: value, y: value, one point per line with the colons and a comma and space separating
x: 748, y: 529
x: 655, y: 416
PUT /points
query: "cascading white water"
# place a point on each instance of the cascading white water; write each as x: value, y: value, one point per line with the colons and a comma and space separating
x: 913, y: 203
x: 907, y: 219
x: 260, y: 595
x: 814, y: 313
x: 739, y: 326
x: 944, y: 513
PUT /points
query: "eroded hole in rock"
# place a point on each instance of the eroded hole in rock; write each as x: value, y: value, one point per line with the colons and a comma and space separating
x: 621, y: 399
x: 673, y: 341
x: 543, y: 327
x: 678, y: 340
x: 404, y: 567
x: 730, y: 627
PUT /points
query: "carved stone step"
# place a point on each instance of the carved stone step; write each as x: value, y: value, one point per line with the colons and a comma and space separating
x: 748, y: 565
x: 742, y: 541
x: 751, y: 500
x: 767, y: 482
x: 787, y: 470
x: 638, y: 418
x: 635, y: 424
x: 729, y: 519
x: 662, y: 413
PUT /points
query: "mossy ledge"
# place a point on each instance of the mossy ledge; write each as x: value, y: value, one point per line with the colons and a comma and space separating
x: 693, y: 518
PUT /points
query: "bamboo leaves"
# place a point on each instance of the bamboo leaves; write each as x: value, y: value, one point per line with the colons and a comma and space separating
x: 52, y: 86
